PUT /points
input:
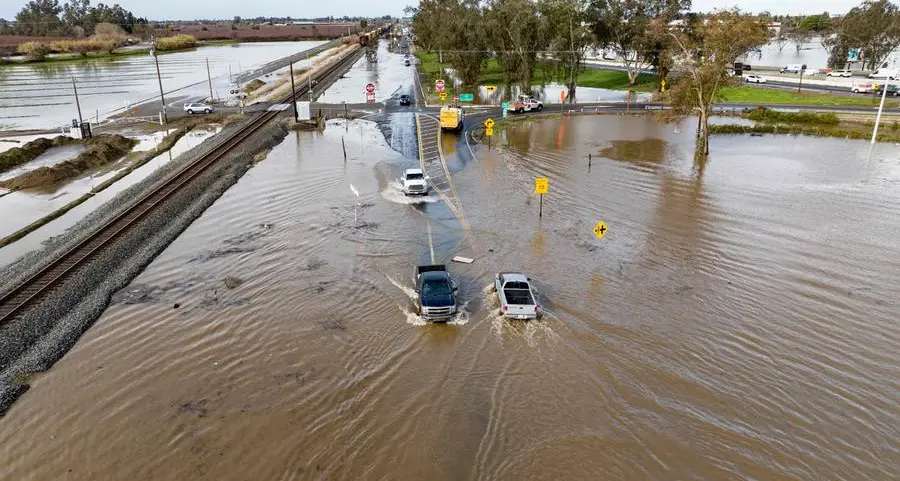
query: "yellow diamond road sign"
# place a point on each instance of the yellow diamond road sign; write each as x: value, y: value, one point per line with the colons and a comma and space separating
x: 489, y: 124
x: 600, y: 230
x: 541, y: 185
x: 443, y: 95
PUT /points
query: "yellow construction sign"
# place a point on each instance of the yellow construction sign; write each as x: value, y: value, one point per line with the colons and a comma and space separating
x: 541, y: 185
x: 600, y: 230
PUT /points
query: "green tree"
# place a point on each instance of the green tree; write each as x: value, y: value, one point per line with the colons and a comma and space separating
x: 39, y: 18
x: 569, y: 37
x: 625, y: 27
x: 5, y: 29
x: 707, y: 51
x: 466, y: 41
x: 873, y: 26
x: 820, y: 24
x: 516, y: 32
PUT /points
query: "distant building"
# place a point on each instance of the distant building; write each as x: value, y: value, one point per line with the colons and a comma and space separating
x: 774, y: 28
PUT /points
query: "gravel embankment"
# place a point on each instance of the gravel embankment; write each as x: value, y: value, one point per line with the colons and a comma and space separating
x: 40, y: 337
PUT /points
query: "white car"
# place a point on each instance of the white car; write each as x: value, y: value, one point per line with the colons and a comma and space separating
x: 754, y: 79
x: 840, y: 73
x: 414, y: 182
x: 198, y: 107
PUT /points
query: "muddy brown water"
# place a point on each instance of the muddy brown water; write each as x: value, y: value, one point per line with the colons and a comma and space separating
x: 739, y: 321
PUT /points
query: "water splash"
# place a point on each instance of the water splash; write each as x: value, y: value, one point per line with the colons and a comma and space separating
x: 393, y: 192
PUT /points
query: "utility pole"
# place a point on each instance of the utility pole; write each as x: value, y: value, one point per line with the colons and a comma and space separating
x: 293, y: 92
x: 309, y: 93
x: 802, y: 68
x: 209, y: 78
x: 162, y: 95
x: 77, y: 103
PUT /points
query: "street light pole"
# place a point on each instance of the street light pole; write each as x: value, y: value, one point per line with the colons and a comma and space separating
x: 887, y: 82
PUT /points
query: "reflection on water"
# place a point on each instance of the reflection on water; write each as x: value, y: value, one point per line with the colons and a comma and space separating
x: 737, y: 322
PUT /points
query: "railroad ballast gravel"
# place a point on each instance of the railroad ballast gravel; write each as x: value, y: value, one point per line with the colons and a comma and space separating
x: 36, y: 340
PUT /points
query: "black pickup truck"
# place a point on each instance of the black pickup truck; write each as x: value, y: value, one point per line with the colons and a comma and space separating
x: 437, y: 293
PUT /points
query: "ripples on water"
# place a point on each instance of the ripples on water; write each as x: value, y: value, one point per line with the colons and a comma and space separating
x: 738, y: 322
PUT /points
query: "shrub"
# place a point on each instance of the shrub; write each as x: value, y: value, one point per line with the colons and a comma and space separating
x: 762, y: 114
x: 177, y: 42
x: 82, y: 46
x: 34, y: 50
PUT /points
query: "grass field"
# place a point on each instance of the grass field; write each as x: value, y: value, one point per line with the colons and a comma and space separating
x: 768, y: 96
x: 492, y: 74
x: 614, y: 80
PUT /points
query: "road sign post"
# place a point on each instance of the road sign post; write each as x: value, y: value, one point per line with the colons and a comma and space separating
x: 541, y: 187
x: 600, y: 230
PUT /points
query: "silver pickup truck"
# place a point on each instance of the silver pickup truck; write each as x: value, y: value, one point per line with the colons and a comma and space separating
x: 516, y: 297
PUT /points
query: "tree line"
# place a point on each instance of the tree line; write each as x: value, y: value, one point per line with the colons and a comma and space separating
x: 693, y: 53
x: 74, y: 18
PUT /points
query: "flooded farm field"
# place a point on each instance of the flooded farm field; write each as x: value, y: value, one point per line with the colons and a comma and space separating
x: 41, y: 96
x: 21, y: 208
x: 737, y: 322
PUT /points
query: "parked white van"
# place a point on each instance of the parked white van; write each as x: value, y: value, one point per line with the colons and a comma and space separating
x: 792, y: 68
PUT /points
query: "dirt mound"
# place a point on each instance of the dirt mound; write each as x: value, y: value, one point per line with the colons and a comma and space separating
x: 19, y: 155
x: 100, y: 150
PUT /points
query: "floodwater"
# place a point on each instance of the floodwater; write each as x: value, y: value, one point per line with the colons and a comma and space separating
x: 41, y: 96
x: 738, y: 321
x: 21, y: 208
x: 390, y: 76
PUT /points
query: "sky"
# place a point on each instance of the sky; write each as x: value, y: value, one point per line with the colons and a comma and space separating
x: 227, y: 9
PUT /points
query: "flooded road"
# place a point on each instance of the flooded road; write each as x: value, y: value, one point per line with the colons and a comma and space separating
x: 738, y: 321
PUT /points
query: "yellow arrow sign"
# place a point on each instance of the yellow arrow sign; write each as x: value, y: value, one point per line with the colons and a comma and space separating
x: 489, y: 124
x: 600, y: 230
x: 490, y: 88
x: 541, y: 185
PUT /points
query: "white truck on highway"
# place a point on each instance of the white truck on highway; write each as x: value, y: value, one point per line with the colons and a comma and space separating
x: 516, y: 298
x: 414, y: 182
x: 885, y: 73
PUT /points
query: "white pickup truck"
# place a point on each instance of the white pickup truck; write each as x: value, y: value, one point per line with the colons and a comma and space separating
x: 414, y: 182
x: 525, y: 103
x: 516, y: 298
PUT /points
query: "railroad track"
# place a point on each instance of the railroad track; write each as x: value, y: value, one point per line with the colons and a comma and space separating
x: 17, y: 299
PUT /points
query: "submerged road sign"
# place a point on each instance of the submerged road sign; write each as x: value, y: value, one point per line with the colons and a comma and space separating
x: 370, y: 88
x: 600, y: 230
x: 541, y: 185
